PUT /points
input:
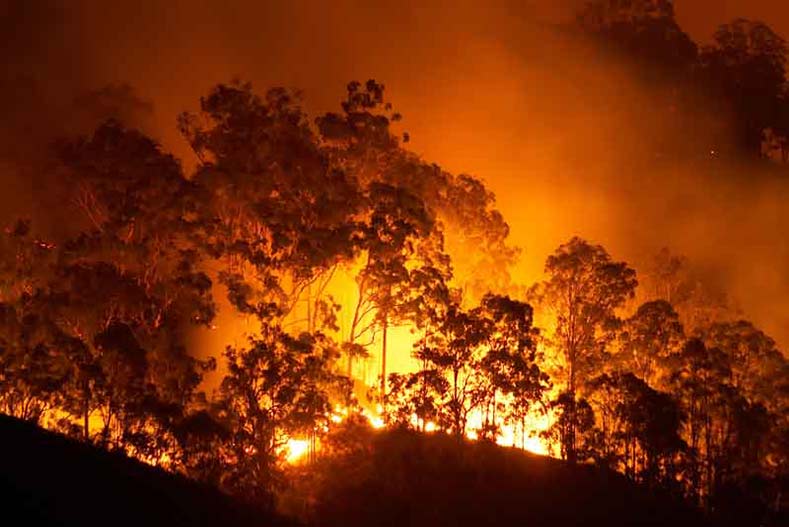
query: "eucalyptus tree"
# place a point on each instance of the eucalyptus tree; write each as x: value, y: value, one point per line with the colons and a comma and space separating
x: 583, y: 290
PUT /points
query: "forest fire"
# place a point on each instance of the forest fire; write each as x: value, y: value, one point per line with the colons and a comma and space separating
x: 526, y: 436
x: 310, y: 309
x: 296, y: 449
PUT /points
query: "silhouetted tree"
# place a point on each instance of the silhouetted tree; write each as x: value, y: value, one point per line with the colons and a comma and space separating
x: 647, y: 339
x: 645, y: 30
x: 360, y: 140
x: 419, y: 398
x: 747, y: 66
x: 574, y: 421
x: 276, y: 388
x: 453, y: 348
x: 640, y: 427
x: 696, y: 294
x: 267, y: 204
x: 404, y: 266
x: 583, y: 290
x: 31, y: 373
x: 700, y: 377
x: 94, y: 322
x: 127, y: 285
x: 758, y: 403
x: 757, y: 366
x: 512, y: 381
x: 488, y: 356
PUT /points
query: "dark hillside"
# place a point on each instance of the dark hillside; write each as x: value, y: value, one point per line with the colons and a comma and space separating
x: 403, y: 478
x: 47, y: 479
x: 373, y: 479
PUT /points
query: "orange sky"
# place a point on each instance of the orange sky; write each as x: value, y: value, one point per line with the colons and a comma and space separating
x: 485, y: 88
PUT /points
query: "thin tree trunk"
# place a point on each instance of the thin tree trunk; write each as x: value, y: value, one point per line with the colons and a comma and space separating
x: 86, y: 414
x: 309, y: 308
x: 85, y: 427
x: 383, y: 364
x: 573, y: 413
x: 523, y: 432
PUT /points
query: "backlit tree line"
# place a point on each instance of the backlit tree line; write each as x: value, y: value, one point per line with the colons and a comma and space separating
x: 98, y: 316
x: 95, y: 324
x: 656, y: 381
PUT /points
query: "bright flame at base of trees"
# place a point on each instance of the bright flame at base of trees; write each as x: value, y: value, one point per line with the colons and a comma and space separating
x: 296, y: 449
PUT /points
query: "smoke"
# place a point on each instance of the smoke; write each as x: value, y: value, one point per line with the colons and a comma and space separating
x: 562, y: 133
x: 49, y: 89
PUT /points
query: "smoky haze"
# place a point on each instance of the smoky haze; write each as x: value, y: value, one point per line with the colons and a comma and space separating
x: 565, y: 136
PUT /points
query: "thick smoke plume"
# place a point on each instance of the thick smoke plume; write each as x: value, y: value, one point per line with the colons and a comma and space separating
x: 565, y: 135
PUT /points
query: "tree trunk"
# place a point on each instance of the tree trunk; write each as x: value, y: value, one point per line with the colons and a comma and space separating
x: 570, y: 448
x: 86, y: 414
x: 309, y: 309
x: 523, y: 432
x: 383, y: 364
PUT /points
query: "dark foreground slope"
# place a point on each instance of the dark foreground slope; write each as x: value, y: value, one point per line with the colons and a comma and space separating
x: 408, y: 479
x: 371, y: 480
x: 47, y: 479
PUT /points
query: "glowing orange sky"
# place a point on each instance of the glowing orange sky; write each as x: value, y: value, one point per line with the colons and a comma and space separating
x: 485, y: 88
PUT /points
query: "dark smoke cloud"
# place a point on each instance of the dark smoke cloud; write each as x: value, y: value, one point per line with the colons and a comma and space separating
x: 505, y: 91
x: 49, y: 90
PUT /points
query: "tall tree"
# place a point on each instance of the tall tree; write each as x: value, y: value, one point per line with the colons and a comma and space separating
x: 31, y: 373
x: 453, y: 348
x: 488, y: 355
x: 644, y: 30
x: 127, y: 283
x: 647, y: 339
x: 361, y: 140
x: 641, y: 427
x: 700, y: 377
x: 757, y: 366
x: 267, y: 204
x: 697, y: 296
x: 583, y: 290
x: 276, y: 388
x: 512, y: 382
x: 403, y: 267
